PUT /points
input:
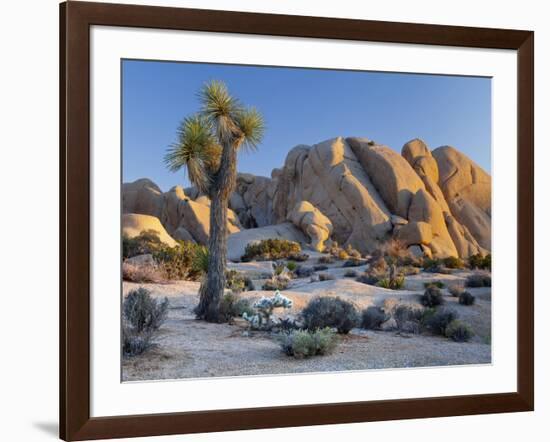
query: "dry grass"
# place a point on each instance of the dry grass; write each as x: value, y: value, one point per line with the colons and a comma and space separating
x: 141, y: 273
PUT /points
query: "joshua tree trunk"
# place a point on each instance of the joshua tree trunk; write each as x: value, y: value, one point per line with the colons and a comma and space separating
x: 222, y: 187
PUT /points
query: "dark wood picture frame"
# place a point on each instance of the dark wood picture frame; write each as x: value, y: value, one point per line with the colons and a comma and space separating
x: 75, y: 21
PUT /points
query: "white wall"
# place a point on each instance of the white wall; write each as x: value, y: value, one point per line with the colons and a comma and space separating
x: 29, y: 201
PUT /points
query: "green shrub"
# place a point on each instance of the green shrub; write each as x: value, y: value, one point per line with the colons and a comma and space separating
x: 459, y: 331
x: 291, y: 265
x: 330, y: 312
x: 304, y: 344
x: 480, y: 262
x: 408, y: 318
x: 233, y: 307
x: 350, y: 274
x: 437, y: 284
x: 236, y: 281
x: 432, y: 297
x: 180, y: 262
x: 466, y: 298
x: 325, y: 259
x: 373, y: 317
x: 438, y: 320
x: 201, y: 256
x: 146, y: 242
x: 142, y: 312
x: 478, y: 280
x: 271, y: 249
x: 453, y: 262
x: 430, y: 263
x: 394, y: 283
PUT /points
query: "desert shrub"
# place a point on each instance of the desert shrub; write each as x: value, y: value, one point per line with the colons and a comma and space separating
x: 330, y: 312
x: 373, y: 317
x: 350, y: 274
x: 353, y: 253
x: 276, y: 283
x: 233, y: 307
x: 408, y: 318
x: 466, y: 298
x: 480, y: 262
x: 291, y: 265
x: 286, y: 325
x: 354, y: 262
x: 432, y: 297
x: 342, y: 254
x: 437, y: 320
x: 236, y: 281
x: 146, y: 242
x: 378, y: 264
x: 452, y: 262
x: 329, y: 259
x: 337, y: 252
x: 437, y: 284
x: 326, y: 277
x: 304, y: 343
x: 144, y: 313
x: 272, y: 249
x: 455, y: 289
x: 180, y: 262
x: 201, y: 256
x: 300, y: 257
x: 279, y: 268
x: 478, y: 280
x: 303, y: 271
x: 320, y: 267
x: 393, y: 248
x: 459, y: 331
x: 368, y: 278
x: 134, y: 343
x: 409, y: 270
x: 141, y: 272
x: 261, y: 318
x: 394, y: 283
x: 393, y: 280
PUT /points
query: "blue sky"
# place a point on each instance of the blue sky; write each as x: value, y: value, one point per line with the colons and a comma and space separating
x: 302, y: 106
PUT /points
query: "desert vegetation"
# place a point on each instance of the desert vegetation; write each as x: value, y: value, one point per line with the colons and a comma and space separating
x: 350, y: 256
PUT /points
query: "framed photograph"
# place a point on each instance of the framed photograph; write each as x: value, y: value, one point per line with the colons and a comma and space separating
x: 276, y: 220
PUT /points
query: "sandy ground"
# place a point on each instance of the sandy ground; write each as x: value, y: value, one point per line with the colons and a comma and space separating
x: 187, y: 348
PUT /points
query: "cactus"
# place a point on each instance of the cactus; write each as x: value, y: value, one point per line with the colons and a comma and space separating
x: 262, y: 319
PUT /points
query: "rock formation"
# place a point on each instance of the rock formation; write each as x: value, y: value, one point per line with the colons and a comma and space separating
x: 313, y: 223
x: 351, y: 190
x: 330, y: 177
x: 182, y: 217
x: 133, y: 224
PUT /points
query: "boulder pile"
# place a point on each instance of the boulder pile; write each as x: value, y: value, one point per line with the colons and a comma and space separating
x: 350, y: 190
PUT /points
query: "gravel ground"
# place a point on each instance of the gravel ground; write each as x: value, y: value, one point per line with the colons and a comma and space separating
x: 186, y: 348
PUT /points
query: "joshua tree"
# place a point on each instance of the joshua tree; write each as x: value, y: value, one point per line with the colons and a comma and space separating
x: 207, y: 147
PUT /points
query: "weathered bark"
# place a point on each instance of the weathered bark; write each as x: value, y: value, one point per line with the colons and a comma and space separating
x: 222, y: 187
